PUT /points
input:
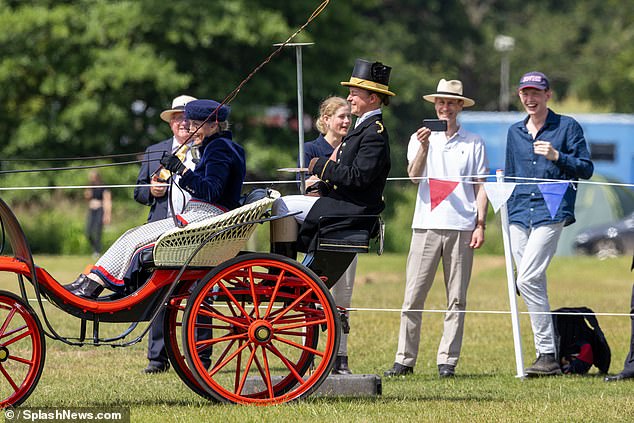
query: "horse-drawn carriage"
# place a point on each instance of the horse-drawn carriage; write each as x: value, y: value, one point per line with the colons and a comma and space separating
x: 240, y: 327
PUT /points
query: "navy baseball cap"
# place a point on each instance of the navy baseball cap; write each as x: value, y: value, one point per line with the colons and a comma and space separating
x: 201, y: 109
x: 535, y: 80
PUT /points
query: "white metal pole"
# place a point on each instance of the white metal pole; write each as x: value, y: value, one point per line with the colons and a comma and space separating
x: 300, y: 109
x: 510, y: 279
x: 300, y: 117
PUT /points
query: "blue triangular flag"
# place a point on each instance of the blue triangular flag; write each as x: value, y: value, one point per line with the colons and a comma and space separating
x: 553, y: 194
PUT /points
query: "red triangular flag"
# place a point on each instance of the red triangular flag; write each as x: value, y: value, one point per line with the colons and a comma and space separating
x: 439, y: 190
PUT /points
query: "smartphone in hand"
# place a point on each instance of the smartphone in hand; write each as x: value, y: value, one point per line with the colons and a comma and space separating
x: 435, y: 125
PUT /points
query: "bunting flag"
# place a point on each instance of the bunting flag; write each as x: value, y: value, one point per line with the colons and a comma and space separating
x: 498, y: 193
x: 553, y: 194
x: 439, y: 190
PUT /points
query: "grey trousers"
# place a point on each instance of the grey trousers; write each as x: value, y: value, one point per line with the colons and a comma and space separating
x: 427, y: 248
x: 533, y: 249
x: 342, y: 293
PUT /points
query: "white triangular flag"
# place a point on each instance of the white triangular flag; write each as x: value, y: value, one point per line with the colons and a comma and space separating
x: 498, y: 193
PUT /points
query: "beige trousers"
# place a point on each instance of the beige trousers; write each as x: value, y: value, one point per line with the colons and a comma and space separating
x: 427, y: 248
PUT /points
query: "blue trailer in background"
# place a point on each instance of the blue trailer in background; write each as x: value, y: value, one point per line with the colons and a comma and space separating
x: 610, y: 138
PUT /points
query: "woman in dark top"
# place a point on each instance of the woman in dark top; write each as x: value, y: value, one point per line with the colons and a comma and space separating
x: 333, y: 124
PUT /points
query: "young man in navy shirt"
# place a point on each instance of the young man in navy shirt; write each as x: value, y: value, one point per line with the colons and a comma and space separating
x: 545, y: 146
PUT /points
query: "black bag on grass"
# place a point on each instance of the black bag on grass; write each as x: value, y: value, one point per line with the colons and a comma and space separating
x: 580, y: 341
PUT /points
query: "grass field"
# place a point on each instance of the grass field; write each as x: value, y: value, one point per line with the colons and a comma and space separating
x: 485, y: 388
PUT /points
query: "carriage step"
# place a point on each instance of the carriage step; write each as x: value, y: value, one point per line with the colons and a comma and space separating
x: 334, y: 385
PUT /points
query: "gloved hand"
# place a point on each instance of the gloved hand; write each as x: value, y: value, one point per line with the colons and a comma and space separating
x: 173, y: 164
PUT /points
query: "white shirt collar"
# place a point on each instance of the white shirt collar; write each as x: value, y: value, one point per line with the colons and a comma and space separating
x: 175, y: 144
x: 367, y: 115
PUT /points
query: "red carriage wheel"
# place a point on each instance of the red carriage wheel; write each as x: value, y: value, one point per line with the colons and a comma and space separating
x: 172, y: 326
x: 266, y: 313
x: 22, y: 350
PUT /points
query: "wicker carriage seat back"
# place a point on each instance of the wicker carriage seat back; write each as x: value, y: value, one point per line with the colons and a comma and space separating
x: 176, y: 246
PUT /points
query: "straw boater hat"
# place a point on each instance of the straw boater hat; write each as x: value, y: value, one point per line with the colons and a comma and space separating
x: 370, y: 76
x: 178, y: 106
x: 449, y: 89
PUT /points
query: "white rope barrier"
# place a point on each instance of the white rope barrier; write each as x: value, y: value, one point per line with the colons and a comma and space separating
x: 467, y: 180
x: 552, y: 313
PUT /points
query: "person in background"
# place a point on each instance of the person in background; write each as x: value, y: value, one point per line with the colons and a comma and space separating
x: 544, y: 145
x: 155, y: 195
x: 99, y: 211
x: 449, y: 232
x: 151, y: 192
x: 333, y: 124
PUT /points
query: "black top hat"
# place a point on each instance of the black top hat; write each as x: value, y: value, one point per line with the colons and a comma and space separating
x: 370, y: 76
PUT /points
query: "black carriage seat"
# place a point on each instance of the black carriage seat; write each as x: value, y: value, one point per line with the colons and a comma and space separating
x: 175, y: 246
x: 339, y: 239
x: 350, y: 233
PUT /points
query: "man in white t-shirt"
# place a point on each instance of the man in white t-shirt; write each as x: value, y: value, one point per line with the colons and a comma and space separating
x: 446, y: 229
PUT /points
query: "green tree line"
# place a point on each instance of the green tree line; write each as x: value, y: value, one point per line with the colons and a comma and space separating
x: 88, y: 78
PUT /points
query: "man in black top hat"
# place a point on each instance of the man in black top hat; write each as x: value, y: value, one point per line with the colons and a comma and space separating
x: 355, y: 181
x: 353, y: 178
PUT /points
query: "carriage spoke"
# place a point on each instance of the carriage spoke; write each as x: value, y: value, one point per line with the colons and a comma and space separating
x: 274, y: 294
x: 13, y: 331
x: 267, y: 373
x: 9, y: 378
x: 253, y: 294
x: 20, y: 360
x: 291, y: 306
x: 301, y: 325
x: 7, y: 320
x: 226, y: 351
x: 245, y: 373
x: 17, y: 338
x: 287, y: 363
x: 213, y: 341
x: 236, y: 380
x: 222, y: 317
x: 218, y: 367
x: 300, y: 346
x: 229, y: 294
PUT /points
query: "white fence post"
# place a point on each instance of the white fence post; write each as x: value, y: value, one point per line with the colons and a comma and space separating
x: 510, y: 279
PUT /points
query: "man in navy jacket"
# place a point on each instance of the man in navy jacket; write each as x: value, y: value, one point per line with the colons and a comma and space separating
x: 156, y: 197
